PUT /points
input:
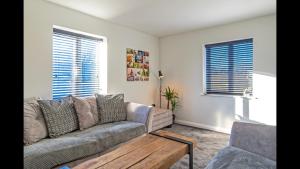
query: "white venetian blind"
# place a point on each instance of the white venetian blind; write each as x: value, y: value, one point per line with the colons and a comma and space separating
x: 75, y: 64
x: 229, y: 67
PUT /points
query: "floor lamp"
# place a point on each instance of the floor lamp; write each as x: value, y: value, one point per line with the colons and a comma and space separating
x: 160, y: 76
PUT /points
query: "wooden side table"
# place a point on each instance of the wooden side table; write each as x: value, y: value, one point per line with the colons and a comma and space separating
x: 159, y: 118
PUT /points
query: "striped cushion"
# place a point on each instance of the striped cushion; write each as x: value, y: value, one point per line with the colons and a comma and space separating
x: 60, y: 116
x: 111, y: 108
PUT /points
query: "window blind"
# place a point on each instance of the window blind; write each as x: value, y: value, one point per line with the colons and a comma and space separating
x: 229, y: 67
x: 75, y: 68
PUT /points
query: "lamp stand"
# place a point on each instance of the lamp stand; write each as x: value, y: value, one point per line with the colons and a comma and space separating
x: 159, y: 92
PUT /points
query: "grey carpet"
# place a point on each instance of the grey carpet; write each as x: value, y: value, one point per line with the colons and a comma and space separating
x: 208, y: 144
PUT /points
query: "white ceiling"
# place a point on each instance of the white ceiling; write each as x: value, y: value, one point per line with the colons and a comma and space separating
x: 166, y: 17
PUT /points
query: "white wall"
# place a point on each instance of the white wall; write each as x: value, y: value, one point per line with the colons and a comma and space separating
x: 40, y: 16
x: 181, y: 60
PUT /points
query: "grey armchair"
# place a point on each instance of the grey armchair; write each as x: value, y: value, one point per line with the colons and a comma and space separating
x: 251, y: 146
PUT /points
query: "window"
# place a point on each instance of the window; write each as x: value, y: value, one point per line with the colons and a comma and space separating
x: 75, y: 64
x: 229, y: 67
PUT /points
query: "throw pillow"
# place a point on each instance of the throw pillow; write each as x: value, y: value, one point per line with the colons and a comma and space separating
x: 60, y: 116
x: 85, y: 112
x: 94, y: 109
x: 34, y: 123
x: 111, y: 108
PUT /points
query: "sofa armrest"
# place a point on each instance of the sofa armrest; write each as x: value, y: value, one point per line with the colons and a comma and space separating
x: 138, y: 113
x: 255, y: 138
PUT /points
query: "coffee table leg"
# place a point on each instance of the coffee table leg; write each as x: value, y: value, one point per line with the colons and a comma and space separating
x: 190, y: 146
x: 191, y: 156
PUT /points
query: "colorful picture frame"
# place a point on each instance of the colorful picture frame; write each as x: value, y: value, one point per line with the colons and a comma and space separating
x: 137, y: 65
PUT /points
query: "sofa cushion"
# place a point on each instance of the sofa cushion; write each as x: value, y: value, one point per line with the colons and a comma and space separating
x: 34, y: 123
x: 84, y: 111
x: 110, y: 134
x: 49, y: 153
x: 235, y: 158
x: 111, y: 108
x: 60, y: 116
x: 94, y: 109
x: 256, y: 138
x: 54, y: 151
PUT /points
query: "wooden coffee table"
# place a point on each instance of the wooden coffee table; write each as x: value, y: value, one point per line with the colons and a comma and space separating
x: 159, y: 150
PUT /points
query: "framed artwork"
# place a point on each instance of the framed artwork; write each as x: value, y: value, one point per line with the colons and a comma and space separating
x: 137, y: 65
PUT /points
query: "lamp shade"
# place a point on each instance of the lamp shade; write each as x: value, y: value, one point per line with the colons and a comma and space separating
x: 160, y: 75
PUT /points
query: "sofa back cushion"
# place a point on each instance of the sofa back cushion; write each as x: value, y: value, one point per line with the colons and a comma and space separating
x: 86, y: 110
x: 34, y: 123
x: 111, y: 108
x: 93, y: 103
x: 60, y: 116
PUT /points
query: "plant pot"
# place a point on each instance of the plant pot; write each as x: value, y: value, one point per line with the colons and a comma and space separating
x: 174, y: 118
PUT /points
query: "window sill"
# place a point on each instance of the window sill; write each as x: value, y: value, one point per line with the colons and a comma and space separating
x: 230, y: 96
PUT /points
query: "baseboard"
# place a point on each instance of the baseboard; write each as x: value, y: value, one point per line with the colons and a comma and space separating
x: 204, y: 126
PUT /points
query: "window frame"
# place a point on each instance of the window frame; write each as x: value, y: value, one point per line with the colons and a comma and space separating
x: 204, y: 88
x: 102, y: 58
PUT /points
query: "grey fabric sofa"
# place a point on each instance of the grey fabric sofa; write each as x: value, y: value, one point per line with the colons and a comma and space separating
x: 251, y: 146
x: 51, y: 152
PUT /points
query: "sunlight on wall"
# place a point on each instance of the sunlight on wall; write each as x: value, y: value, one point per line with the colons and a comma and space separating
x: 239, y: 108
x: 223, y: 122
x: 263, y: 109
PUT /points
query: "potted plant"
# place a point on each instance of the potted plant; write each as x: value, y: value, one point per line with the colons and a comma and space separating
x: 174, y: 105
x: 170, y: 94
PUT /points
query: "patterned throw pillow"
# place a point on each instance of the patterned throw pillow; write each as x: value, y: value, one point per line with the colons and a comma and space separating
x: 111, y: 108
x: 60, y: 116
x: 85, y: 111
x: 34, y: 123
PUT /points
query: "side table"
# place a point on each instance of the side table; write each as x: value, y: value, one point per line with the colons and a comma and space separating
x: 159, y: 118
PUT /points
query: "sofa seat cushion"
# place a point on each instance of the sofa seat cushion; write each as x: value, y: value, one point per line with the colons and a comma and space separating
x: 110, y: 134
x: 49, y: 153
x: 234, y: 158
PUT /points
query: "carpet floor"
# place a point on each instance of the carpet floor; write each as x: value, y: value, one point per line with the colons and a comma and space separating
x: 208, y: 144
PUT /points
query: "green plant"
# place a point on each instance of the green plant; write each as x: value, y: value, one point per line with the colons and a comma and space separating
x: 170, y: 94
x: 174, y: 104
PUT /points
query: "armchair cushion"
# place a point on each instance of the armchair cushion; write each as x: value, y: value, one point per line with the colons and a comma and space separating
x: 255, y: 138
x: 236, y: 158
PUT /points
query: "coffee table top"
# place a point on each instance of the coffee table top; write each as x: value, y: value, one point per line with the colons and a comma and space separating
x: 144, y: 152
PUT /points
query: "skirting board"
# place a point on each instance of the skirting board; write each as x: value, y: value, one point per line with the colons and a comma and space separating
x: 203, y: 126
